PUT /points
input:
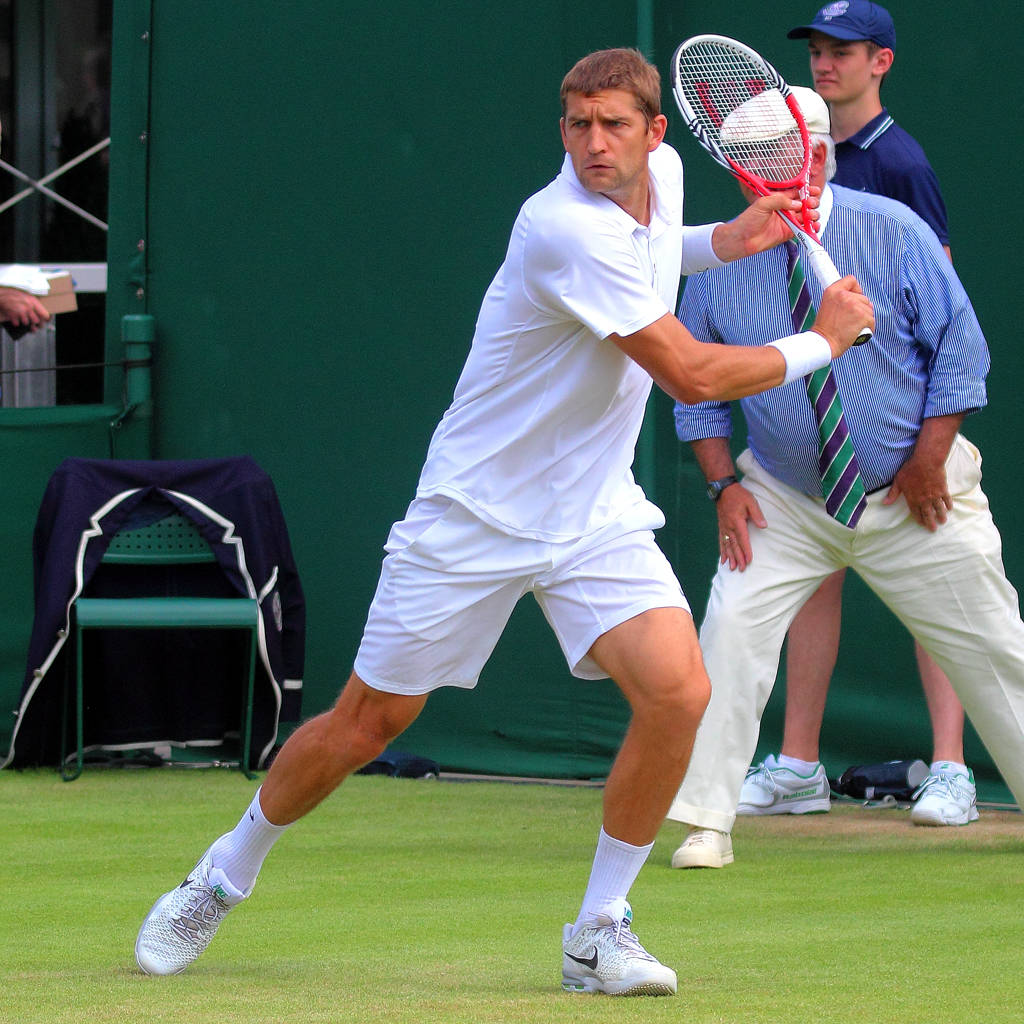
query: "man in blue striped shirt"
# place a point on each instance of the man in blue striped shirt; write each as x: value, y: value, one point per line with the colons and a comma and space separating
x: 851, y: 50
x: 926, y: 543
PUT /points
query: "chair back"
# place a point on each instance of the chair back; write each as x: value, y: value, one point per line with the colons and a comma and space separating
x: 172, y: 540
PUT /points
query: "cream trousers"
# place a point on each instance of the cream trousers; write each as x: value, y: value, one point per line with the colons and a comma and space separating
x: 948, y: 588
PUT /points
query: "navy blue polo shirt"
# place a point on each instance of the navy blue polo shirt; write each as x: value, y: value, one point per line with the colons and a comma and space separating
x: 884, y: 159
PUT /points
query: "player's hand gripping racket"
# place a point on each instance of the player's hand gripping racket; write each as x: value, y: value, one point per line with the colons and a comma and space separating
x: 741, y: 111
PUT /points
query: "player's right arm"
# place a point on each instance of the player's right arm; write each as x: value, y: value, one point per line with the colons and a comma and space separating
x: 692, y: 372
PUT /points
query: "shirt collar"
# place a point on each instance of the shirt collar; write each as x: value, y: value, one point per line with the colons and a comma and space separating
x: 824, y: 208
x: 872, y: 130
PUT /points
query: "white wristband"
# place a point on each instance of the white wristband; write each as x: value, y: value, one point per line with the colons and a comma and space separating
x: 698, y: 252
x: 804, y: 353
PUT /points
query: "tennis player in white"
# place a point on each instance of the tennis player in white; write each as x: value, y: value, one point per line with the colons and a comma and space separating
x: 527, y: 488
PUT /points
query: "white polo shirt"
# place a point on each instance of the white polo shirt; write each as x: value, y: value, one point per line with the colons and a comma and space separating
x: 540, y: 436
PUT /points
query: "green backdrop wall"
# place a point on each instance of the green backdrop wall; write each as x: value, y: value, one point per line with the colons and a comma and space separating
x: 311, y: 201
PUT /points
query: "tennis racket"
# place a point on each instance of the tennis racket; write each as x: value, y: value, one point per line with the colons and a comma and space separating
x: 741, y: 111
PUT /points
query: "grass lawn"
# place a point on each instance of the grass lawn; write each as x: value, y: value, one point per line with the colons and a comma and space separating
x: 442, y: 903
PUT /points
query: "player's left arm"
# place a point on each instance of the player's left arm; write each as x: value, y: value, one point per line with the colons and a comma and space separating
x: 921, y: 480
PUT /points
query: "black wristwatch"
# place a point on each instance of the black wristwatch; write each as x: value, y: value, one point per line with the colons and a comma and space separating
x: 715, y: 487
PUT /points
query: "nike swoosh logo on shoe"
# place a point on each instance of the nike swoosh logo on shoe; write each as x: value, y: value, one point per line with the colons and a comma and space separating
x: 590, y: 962
x: 188, y: 881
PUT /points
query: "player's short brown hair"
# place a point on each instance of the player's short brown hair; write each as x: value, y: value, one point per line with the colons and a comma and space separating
x: 621, y: 68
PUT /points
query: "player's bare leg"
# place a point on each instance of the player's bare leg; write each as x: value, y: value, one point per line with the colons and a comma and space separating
x: 655, y: 660
x: 313, y: 762
x: 324, y: 751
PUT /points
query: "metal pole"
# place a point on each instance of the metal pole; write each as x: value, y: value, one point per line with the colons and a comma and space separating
x: 645, y: 28
x: 138, y: 331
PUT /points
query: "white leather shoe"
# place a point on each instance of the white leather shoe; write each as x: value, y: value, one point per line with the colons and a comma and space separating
x: 704, y: 848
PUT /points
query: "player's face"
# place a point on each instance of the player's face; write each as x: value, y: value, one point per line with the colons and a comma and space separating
x: 843, y: 71
x: 608, y: 139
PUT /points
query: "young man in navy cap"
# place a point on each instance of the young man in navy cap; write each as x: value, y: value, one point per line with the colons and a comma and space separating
x: 852, y: 44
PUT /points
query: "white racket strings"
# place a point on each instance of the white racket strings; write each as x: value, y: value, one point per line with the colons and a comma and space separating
x: 741, y: 112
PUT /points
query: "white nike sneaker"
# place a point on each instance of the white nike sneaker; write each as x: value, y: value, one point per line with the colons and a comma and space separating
x: 946, y: 797
x: 772, y: 789
x: 607, y: 957
x: 704, y: 848
x: 183, y: 922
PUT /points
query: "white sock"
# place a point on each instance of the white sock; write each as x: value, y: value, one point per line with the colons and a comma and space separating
x: 616, y: 865
x: 240, y: 853
x: 794, y: 764
x: 949, y: 767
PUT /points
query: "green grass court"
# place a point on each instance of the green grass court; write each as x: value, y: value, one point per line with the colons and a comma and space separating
x: 442, y: 903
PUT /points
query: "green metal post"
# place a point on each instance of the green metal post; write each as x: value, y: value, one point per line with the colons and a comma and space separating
x: 645, y: 28
x: 131, y: 433
x: 138, y: 332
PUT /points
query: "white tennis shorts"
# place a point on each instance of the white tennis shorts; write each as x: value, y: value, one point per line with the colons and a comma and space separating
x: 450, y: 581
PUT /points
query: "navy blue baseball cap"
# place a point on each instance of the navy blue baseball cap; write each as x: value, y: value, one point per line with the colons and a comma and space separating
x: 853, y: 20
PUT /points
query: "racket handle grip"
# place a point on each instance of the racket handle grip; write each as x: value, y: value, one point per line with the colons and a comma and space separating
x: 825, y: 270
x: 820, y: 262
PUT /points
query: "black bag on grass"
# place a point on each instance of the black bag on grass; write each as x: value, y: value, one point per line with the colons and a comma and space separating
x: 897, y: 780
x: 400, y: 765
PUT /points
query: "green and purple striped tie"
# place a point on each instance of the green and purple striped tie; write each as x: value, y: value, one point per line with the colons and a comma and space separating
x: 841, y: 483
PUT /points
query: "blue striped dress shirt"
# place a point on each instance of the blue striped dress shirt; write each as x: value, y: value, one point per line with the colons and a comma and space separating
x: 928, y: 356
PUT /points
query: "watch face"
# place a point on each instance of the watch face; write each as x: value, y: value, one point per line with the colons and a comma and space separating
x: 715, y: 487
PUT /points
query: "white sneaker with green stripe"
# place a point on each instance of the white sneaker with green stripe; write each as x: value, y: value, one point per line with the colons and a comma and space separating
x: 771, y: 789
x: 947, y: 797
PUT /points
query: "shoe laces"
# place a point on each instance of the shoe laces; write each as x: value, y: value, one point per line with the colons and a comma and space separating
x: 625, y: 938
x: 943, y: 785
x: 763, y: 776
x: 700, y: 837
x: 200, y: 915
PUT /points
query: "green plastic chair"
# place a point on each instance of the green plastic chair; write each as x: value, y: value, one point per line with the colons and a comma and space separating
x: 172, y: 540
